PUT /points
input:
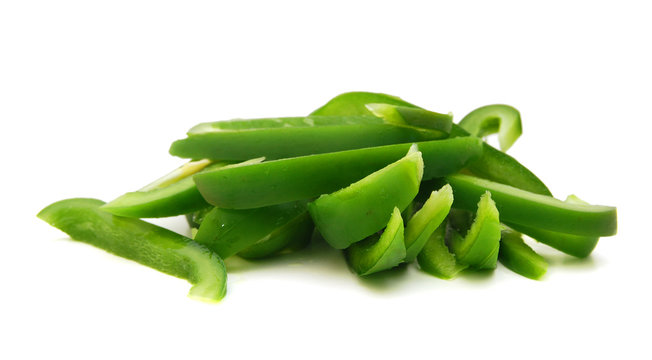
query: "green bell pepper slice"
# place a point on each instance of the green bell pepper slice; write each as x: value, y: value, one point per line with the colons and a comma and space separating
x: 379, y: 252
x: 228, y: 231
x: 479, y: 247
x: 502, y: 119
x: 426, y: 220
x: 493, y: 164
x: 145, y: 243
x: 306, y: 177
x: 436, y: 259
x: 300, y: 136
x: 517, y: 256
x: 363, y: 208
x: 521, y: 207
x: 411, y: 116
x: 290, y: 237
x: 171, y: 195
x: 575, y: 245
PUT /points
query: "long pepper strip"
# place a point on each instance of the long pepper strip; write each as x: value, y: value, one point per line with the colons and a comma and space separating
x: 517, y: 256
x: 576, y: 245
x: 491, y: 119
x: 493, y: 164
x: 479, y: 247
x: 436, y: 259
x: 411, y: 116
x: 171, y: 195
x: 363, y: 208
x: 306, y: 137
x: 305, y: 177
x: 426, y: 220
x: 378, y: 253
x: 148, y: 244
x: 228, y: 231
x: 532, y: 210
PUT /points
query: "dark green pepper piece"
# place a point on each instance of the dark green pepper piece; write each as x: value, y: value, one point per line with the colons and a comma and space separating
x: 145, y: 243
x: 292, y: 236
x: 517, y: 256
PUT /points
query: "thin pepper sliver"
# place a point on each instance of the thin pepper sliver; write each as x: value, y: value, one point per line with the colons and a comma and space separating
x: 306, y: 177
x: 364, y: 207
x: 145, y: 243
x: 502, y: 119
x: 436, y: 259
x: 517, y: 256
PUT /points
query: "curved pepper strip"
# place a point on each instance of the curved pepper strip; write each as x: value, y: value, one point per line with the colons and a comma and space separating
x: 228, y: 231
x: 379, y: 252
x: 533, y: 210
x: 145, y: 243
x: 479, y: 247
x: 436, y: 259
x: 171, y: 195
x: 290, y: 237
x: 306, y: 177
x: 575, y: 245
x: 363, y: 208
x: 411, y: 116
x: 307, y: 137
x: 493, y: 164
x: 517, y: 256
x: 502, y: 119
x: 426, y: 220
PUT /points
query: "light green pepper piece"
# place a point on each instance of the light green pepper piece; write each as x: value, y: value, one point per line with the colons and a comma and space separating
x: 291, y: 137
x: 502, y: 119
x: 306, y: 177
x: 426, y: 220
x: 290, y: 237
x: 537, y: 211
x: 411, y: 116
x: 517, y: 256
x: 479, y: 248
x: 378, y: 253
x: 171, y: 195
x: 148, y: 244
x: 436, y: 259
x: 356, y: 212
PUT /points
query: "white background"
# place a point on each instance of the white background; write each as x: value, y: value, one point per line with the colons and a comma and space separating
x: 93, y: 92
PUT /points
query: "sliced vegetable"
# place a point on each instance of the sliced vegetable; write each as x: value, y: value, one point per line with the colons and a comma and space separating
x: 379, y: 252
x: 228, y: 231
x: 493, y: 164
x: 491, y: 119
x: 356, y: 212
x: 292, y: 236
x: 517, y: 256
x: 532, y: 210
x: 306, y: 177
x: 171, y: 195
x: 411, y: 116
x: 426, y: 220
x: 479, y: 247
x: 436, y: 259
x: 148, y: 244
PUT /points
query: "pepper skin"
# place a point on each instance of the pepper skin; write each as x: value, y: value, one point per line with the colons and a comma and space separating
x: 517, y: 256
x: 299, y: 136
x: 356, y: 212
x: 411, y: 116
x: 306, y: 177
x: 145, y: 243
x: 436, y: 259
x: 533, y: 210
x: 502, y: 119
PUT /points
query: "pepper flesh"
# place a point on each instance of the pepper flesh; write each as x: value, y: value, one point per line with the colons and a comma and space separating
x: 532, y: 210
x: 379, y: 252
x: 426, y: 220
x: 486, y: 120
x: 411, y: 116
x: 436, y: 259
x: 517, y: 256
x: 363, y: 208
x: 492, y: 164
x: 145, y: 243
x: 292, y: 236
x: 297, y: 137
x: 306, y: 177
x: 479, y: 247
x: 171, y: 195
x: 228, y: 231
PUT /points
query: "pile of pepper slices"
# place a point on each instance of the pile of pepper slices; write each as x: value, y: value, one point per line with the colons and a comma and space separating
x: 384, y: 180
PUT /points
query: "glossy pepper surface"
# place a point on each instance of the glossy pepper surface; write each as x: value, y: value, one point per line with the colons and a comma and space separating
x: 363, y: 208
x: 142, y: 242
x: 502, y: 119
x: 517, y: 256
x: 306, y: 177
